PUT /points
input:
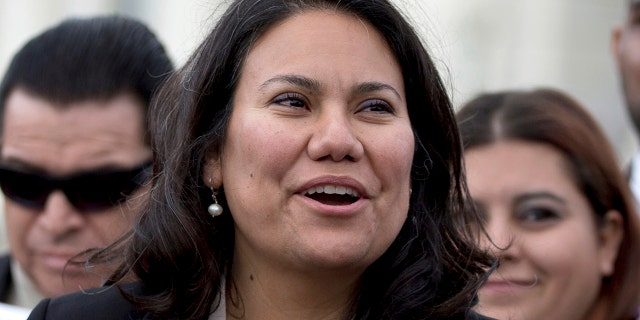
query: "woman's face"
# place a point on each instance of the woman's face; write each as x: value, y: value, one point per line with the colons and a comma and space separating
x: 553, y: 255
x: 316, y: 164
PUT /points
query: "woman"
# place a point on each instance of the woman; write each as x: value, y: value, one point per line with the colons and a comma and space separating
x: 319, y: 138
x: 558, y: 211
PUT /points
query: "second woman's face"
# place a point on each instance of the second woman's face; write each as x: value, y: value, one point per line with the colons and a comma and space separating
x: 316, y: 164
x: 552, y: 255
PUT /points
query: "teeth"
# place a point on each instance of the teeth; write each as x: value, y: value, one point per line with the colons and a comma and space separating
x: 331, y: 189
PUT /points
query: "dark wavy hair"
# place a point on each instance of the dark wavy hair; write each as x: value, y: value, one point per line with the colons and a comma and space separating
x: 433, y: 268
x: 553, y: 118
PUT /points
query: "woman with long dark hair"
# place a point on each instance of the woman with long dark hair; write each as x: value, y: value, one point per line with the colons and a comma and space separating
x: 307, y: 166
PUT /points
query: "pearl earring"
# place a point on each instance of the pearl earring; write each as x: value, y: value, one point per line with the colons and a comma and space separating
x: 214, y: 209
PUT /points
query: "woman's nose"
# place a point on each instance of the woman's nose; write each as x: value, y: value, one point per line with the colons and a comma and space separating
x: 502, y: 239
x: 335, y: 138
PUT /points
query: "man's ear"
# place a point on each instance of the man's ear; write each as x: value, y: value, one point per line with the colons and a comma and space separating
x: 616, y: 36
x: 212, y: 172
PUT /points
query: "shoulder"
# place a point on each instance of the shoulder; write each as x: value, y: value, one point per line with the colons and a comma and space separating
x: 99, y: 303
x: 6, y: 280
x: 5, y: 259
x: 463, y: 315
x: 5, y: 264
x: 481, y: 317
x: 475, y: 316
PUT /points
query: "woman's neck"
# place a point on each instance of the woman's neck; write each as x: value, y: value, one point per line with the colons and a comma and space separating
x: 267, y: 291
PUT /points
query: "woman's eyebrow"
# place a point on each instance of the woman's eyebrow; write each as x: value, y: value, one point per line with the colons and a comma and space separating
x: 539, y: 195
x: 314, y: 85
x: 297, y: 80
x: 367, y: 87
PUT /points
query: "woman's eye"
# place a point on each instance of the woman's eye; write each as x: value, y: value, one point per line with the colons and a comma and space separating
x: 377, y: 106
x: 293, y: 100
x: 538, y: 215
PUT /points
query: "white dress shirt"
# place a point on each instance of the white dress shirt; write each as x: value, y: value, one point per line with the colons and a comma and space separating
x: 634, y: 178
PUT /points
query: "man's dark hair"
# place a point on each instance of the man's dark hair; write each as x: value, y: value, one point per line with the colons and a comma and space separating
x: 88, y: 59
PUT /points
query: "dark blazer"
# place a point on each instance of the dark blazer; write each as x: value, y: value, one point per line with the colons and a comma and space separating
x: 6, y: 281
x: 110, y: 304
x: 99, y: 303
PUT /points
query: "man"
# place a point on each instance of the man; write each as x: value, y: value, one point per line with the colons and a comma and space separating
x: 625, y: 45
x: 73, y: 146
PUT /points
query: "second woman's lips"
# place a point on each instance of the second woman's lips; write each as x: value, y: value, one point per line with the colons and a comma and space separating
x: 510, y: 282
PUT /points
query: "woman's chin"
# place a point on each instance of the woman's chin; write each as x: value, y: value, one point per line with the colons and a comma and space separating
x: 338, y: 257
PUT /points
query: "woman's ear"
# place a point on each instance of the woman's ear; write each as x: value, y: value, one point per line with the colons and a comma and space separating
x: 610, y: 235
x: 212, y: 173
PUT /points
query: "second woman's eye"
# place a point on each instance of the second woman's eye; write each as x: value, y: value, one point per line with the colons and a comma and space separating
x: 290, y: 99
x: 538, y: 215
x: 377, y: 106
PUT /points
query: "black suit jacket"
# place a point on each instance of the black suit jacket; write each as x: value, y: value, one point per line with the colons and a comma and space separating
x: 99, y: 303
x: 6, y: 281
x: 110, y: 304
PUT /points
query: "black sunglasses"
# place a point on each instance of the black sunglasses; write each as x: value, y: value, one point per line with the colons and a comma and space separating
x: 87, y: 191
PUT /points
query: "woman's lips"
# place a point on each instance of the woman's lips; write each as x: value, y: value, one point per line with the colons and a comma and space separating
x: 508, y: 285
x: 334, y: 185
x: 333, y: 195
x: 333, y: 208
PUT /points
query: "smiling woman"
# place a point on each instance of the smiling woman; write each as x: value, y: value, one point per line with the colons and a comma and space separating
x: 322, y: 135
x: 310, y: 117
x: 557, y: 209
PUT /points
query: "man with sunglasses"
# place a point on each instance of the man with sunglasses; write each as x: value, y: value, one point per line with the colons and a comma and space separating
x: 625, y: 46
x: 74, y: 149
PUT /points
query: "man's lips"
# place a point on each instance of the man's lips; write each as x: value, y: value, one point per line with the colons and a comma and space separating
x: 57, y: 261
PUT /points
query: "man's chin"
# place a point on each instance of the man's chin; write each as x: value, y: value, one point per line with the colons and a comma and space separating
x: 74, y: 278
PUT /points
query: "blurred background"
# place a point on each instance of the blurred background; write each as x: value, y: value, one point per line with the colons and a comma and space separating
x: 479, y: 45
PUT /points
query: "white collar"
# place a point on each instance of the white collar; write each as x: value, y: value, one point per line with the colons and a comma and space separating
x: 23, y: 291
x: 221, y: 312
x: 634, y: 177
